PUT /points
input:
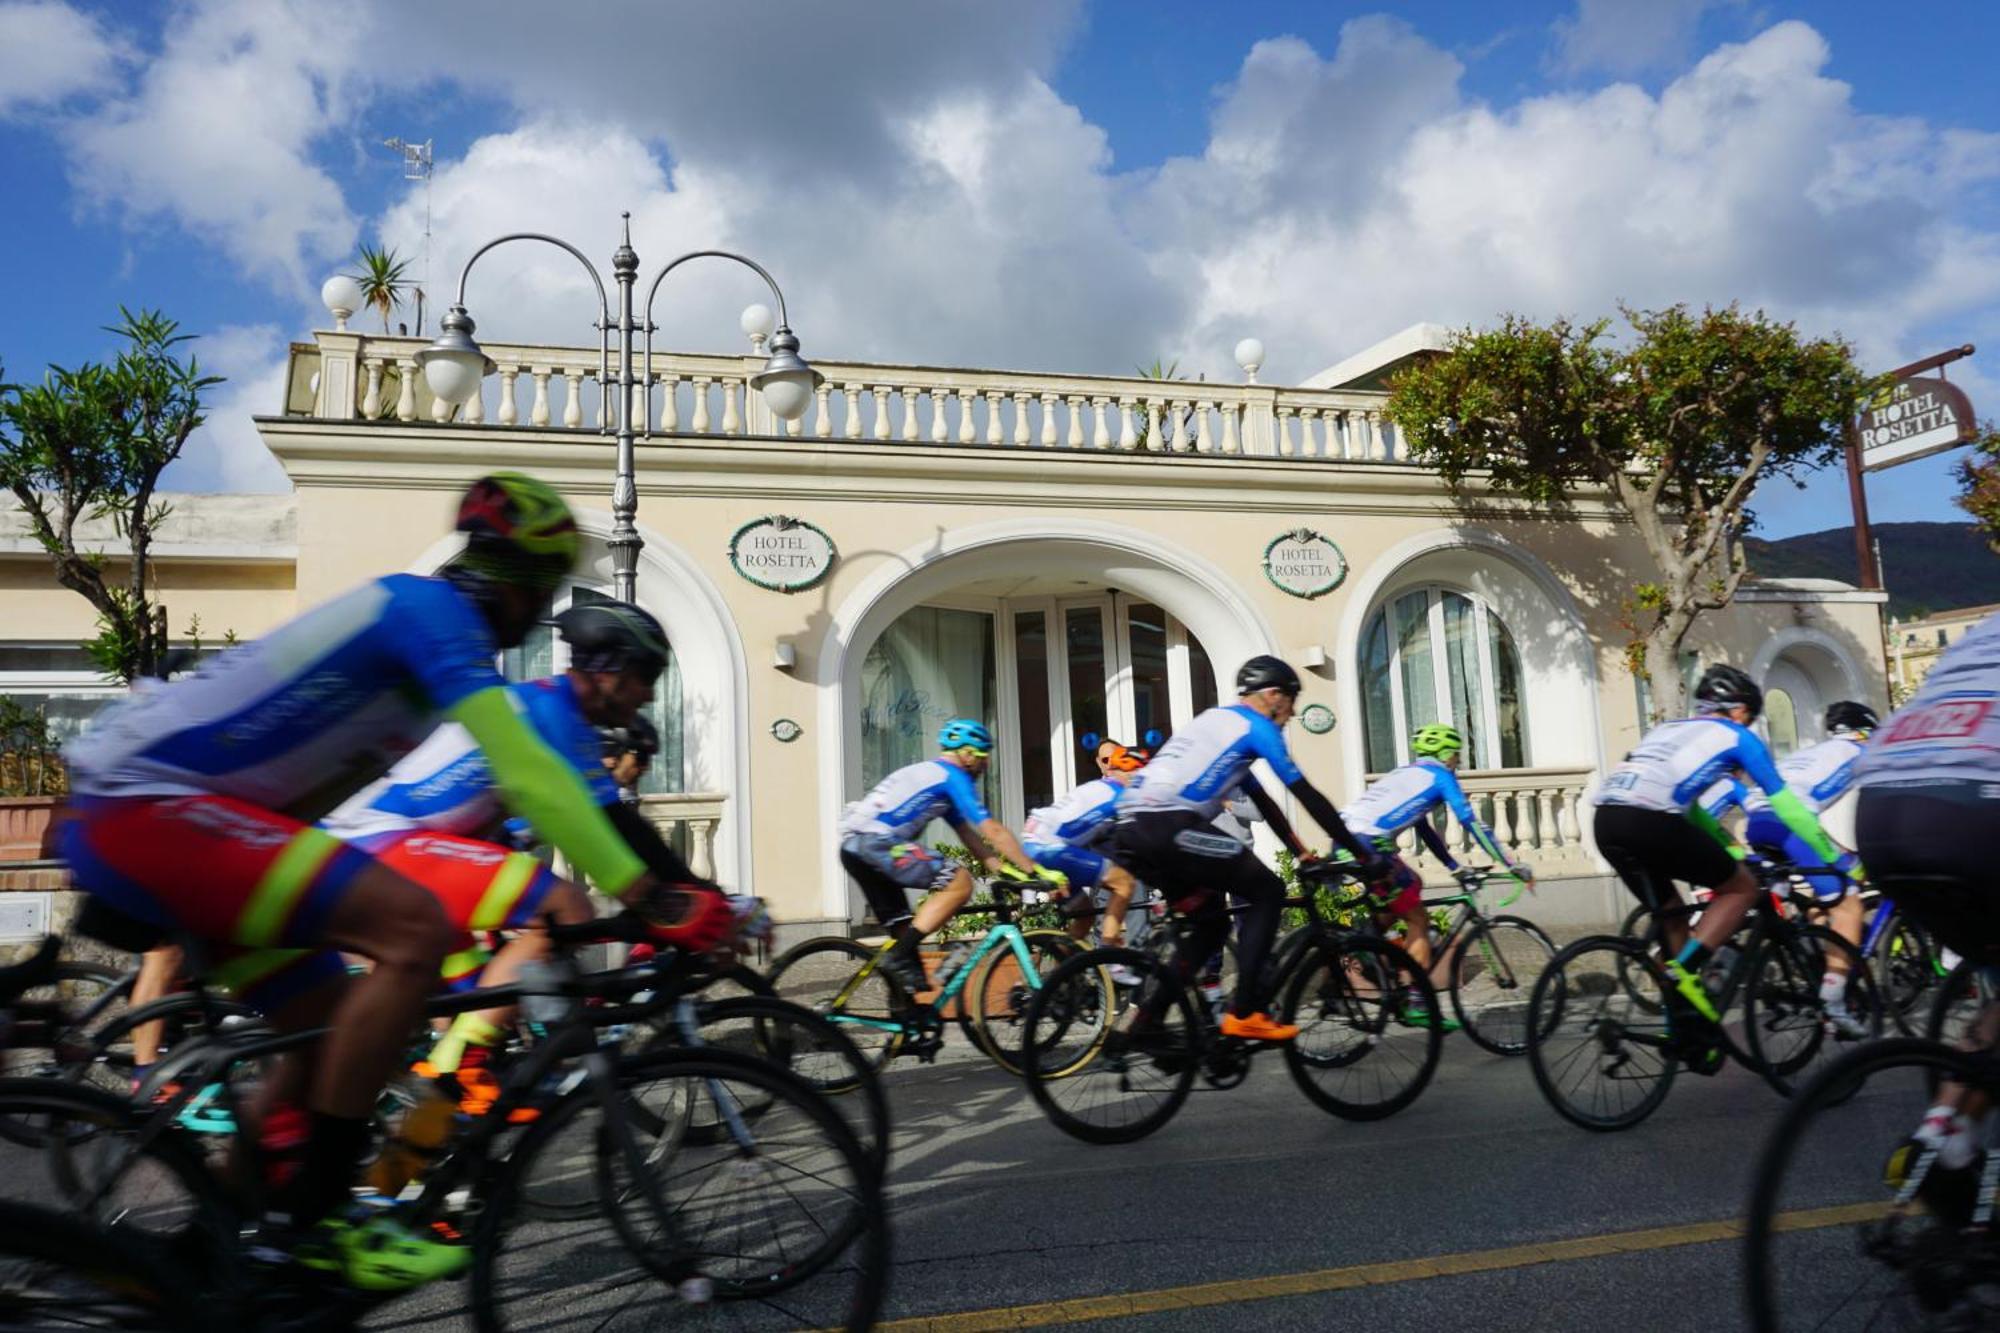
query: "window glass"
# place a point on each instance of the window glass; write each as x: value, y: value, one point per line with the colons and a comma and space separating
x: 1413, y: 649
x: 1378, y: 704
x: 1506, y: 667
x: 1201, y: 677
x: 1031, y: 681
x: 1083, y: 629
x: 1464, y: 679
x: 1483, y: 692
x: 928, y: 667
x: 1151, y: 712
x: 1783, y: 721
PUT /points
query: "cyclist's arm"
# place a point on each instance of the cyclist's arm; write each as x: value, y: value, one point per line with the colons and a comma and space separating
x: 1431, y: 838
x: 1269, y: 744
x: 1712, y: 826
x: 1003, y: 846
x: 1482, y: 836
x: 1267, y: 809
x: 1785, y: 803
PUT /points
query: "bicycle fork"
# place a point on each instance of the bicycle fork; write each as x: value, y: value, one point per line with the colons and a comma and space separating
x: 689, y: 1282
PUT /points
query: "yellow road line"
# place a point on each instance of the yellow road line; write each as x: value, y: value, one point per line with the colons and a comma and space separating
x: 1131, y: 1303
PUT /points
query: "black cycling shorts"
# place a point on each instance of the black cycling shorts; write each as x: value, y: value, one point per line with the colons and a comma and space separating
x: 1181, y: 855
x: 1931, y: 850
x: 1651, y: 848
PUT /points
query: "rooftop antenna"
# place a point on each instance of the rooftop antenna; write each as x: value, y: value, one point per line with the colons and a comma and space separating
x: 417, y: 166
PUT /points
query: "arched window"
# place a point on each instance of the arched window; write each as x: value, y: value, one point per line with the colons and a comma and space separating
x: 543, y: 654
x: 1781, y: 715
x: 1437, y: 654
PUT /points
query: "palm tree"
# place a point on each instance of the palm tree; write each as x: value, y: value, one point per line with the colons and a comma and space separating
x: 382, y: 281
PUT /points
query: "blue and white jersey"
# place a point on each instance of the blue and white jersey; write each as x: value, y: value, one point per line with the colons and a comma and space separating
x: 1403, y: 796
x: 445, y: 785
x: 1676, y: 762
x: 1819, y: 774
x: 912, y: 797
x: 1722, y: 797
x: 1949, y: 731
x: 300, y: 718
x: 1204, y: 763
x: 1079, y: 819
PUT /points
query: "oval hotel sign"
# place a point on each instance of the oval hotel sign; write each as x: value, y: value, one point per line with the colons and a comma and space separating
x: 781, y: 553
x: 1304, y: 563
x: 1919, y: 416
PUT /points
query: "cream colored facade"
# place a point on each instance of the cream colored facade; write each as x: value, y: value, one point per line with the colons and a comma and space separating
x: 1008, y: 497
x: 1915, y: 645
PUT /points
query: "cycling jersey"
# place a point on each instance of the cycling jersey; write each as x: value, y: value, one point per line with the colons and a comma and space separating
x: 1079, y: 819
x: 446, y: 784
x: 1948, y: 734
x: 1722, y: 797
x: 1820, y: 774
x: 1405, y: 795
x: 299, y: 719
x: 1205, y: 763
x: 911, y: 797
x: 1677, y: 762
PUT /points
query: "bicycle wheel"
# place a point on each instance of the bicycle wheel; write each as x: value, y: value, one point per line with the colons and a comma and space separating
x: 781, y: 1223
x: 1362, y: 1052
x: 1000, y: 991
x: 1831, y: 1243
x: 60, y: 1272
x: 1785, y: 1027
x: 817, y: 975
x: 1602, y: 1058
x: 1906, y: 971
x: 1492, y: 979
x: 1957, y: 1005
x: 1104, y: 1077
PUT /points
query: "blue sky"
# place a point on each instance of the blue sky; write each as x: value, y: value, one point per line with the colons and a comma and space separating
x: 1051, y: 185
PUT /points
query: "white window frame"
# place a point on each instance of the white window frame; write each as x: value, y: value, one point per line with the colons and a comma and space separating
x: 1488, y: 723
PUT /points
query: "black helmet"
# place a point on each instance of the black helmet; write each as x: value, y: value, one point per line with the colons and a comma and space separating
x: 1847, y: 715
x: 1727, y: 686
x: 614, y: 636
x: 639, y: 736
x: 1266, y: 673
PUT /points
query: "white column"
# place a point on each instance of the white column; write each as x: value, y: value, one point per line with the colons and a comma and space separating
x: 510, y: 412
x: 538, y: 411
x: 822, y: 415
x: 702, y: 422
x: 371, y: 399
x: 670, y: 404
x: 881, y: 394
x: 1204, y: 436
x: 1048, y: 421
x: 732, y: 417
x: 965, y: 400
x: 1100, y: 433
x: 1021, y: 435
x: 852, y: 428
x: 1075, y: 437
x: 994, y: 398
x: 1153, y: 437
x: 909, y: 397
x: 939, y: 433
x: 1128, y: 427
x: 1232, y: 441
x: 573, y: 398
x: 406, y: 401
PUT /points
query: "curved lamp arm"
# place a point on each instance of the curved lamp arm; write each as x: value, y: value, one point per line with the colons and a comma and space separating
x: 603, y: 304
x: 784, y: 322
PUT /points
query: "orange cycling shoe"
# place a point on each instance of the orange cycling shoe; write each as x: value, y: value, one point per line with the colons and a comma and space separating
x: 1258, y: 1027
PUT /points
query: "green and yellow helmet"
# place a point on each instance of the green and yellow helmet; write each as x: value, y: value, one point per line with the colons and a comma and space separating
x: 517, y: 530
x: 1436, y: 740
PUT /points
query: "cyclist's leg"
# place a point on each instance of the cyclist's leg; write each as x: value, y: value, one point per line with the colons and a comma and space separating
x: 157, y: 970
x: 1257, y: 886
x: 885, y: 895
x: 1085, y: 870
x: 1655, y: 892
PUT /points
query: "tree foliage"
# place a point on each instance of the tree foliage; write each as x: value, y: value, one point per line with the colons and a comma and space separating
x: 1676, y: 421
x: 91, y: 443
x: 1979, y: 484
x: 383, y: 278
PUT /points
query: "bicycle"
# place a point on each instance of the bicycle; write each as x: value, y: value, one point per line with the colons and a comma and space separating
x: 842, y: 980
x: 1109, y: 1073
x: 715, y: 1173
x: 1608, y: 1030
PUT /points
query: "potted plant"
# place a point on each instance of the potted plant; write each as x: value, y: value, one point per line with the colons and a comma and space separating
x: 32, y: 782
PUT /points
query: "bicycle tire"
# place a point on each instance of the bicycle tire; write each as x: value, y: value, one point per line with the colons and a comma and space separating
x: 998, y: 995
x: 1581, y: 999
x: 1500, y: 1026
x: 864, y: 1222
x: 812, y: 974
x: 1782, y: 996
x: 1835, y: 1198
x: 1066, y: 1065
x: 1905, y: 967
x: 1345, y: 991
x: 89, y: 1276
x: 1956, y: 1005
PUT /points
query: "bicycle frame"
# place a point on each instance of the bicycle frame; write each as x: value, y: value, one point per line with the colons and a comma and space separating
x: 1004, y: 933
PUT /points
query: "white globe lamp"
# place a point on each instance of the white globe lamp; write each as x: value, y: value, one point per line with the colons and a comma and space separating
x: 757, y: 324
x: 342, y: 297
x: 1250, y: 356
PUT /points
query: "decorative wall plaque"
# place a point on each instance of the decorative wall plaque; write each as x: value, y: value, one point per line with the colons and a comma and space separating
x: 787, y: 730
x: 782, y: 553
x: 1304, y: 563
x: 1316, y: 718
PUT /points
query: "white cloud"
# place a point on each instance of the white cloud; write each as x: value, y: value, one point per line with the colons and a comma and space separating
x: 50, y: 53
x: 226, y: 453
x: 1627, y: 36
x: 218, y: 136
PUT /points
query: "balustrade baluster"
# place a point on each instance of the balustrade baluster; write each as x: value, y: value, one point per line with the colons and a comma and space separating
x: 1128, y: 425
x: 1566, y: 800
x: 732, y: 416
x: 572, y: 398
x: 796, y: 426
x: 406, y: 400
x: 939, y: 429
x: 670, y: 404
x: 966, y: 397
x: 1504, y: 831
x: 700, y: 423
x: 1021, y: 435
x: 371, y: 401
x: 1378, y: 447
x: 1100, y: 434
x: 994, y: 433
x: 538, y: 411
x: 1176, y: 426
x: 1204, y: 436
x: 475, y: 406
x: 881, y: 393
x: 909, y: 397
x: 1048, y: 421
x: 822, y: 415
x: 1232, y: 439
x: 1154, y: 440
x: 510, y: 411
x: 1545, y: 819
x: 852, y: 427
x: 1286, y: 448
x: 440, y: 409
x: 1074, y: 439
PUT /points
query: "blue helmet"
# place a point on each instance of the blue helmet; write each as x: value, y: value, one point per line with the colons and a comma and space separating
x: 964, y: 733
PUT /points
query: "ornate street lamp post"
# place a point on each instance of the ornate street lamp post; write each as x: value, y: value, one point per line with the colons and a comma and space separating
x: 454, y: 365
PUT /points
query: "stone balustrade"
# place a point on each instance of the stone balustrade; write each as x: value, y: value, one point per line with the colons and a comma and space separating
x: 1536, y: 813
x: 351, y: 376
x: 688, y: 821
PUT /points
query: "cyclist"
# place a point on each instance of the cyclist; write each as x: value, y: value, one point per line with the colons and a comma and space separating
x: 878, y: 843
x: 1647, y: 803
x: 1929, y: 798
x: 1165, y: 832
x: 1065, y: 837
x: 1404, y: 797
x: 433, y: 816
x: 193, y: 809
x: 1821, y: 774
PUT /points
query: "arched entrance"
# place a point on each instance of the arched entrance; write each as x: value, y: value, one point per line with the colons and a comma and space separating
x: 1802, y: 671
x: 1054, y: 629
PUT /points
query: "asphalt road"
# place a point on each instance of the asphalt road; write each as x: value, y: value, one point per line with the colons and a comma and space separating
x: 1252, y: 1187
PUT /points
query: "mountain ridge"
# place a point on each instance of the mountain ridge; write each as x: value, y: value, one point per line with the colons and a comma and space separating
x: 1926, y: 567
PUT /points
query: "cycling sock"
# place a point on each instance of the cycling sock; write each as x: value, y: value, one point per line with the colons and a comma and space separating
x: 1833, y: 989
x: 1693, y: 955
x: 332, y: 1149
x: 906, y: 947
x: 466, y: 1030
x: 1947, y: 1130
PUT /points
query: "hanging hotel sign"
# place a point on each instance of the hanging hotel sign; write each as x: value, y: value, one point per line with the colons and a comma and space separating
x: 781, y: 553
x: 1920, y: 416
x: 1304, y: 563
